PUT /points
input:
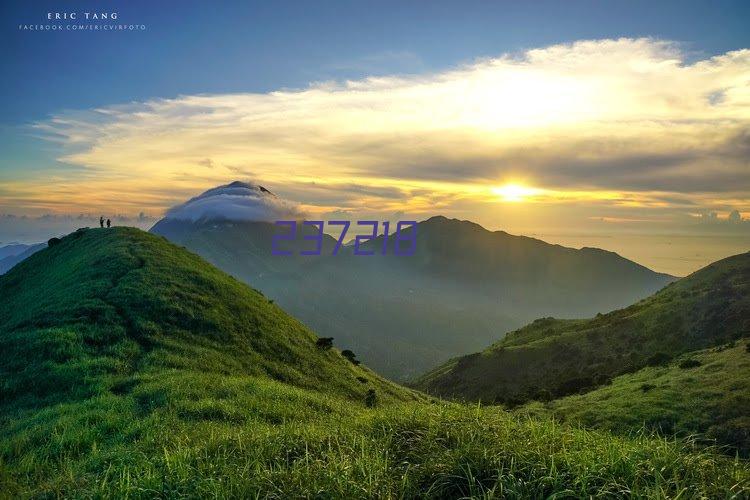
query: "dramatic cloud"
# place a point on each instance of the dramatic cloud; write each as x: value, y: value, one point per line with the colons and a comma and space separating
x: 622, y: 115
x: 237, y: 201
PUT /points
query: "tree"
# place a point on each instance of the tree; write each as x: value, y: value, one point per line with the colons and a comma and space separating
x: 53, y: 241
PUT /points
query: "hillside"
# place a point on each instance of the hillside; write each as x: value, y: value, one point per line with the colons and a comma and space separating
x: 704, y: 394
x: 550, y: 358
x: 406, y: 314
x: 115, y: 305
x: 131, y: 368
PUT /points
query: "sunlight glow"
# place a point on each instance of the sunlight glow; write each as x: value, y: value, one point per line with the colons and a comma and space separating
x: 515, y: 192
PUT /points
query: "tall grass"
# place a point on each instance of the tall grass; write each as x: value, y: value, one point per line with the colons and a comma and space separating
x: 100, y: 449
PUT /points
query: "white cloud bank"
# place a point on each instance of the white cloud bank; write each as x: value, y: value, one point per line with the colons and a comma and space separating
x: 629, y: 117
x: 237, y: 201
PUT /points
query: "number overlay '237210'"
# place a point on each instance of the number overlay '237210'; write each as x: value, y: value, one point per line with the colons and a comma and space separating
x: 398, y: 237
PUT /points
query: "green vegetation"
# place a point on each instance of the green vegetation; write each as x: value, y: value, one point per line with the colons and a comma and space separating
x: 105, y: 308
x: 131, y: 368
x: 552, y: 358
x: 705, y: 395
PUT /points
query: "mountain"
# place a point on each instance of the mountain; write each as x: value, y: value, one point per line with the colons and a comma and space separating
x: 550, y: 357
x: 16, y: 254
x: 12, y: 249
x: 703, y: 394
x: 405, y: 314
x: 132, y: 368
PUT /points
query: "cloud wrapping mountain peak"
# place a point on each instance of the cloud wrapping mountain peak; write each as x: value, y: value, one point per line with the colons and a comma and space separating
x: 239, y: 201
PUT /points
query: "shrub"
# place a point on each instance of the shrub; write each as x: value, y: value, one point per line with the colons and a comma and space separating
x: 371, y: 398
x: 466, y: 361
x: 734, y: 433
x: 350, y: 356
x: 690, y: 363
x: 324, y: 343
x: 658, y: 359
x: 543, y: 395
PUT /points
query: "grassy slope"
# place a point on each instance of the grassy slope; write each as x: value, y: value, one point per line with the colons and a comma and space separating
x: 107, y: 307
x: 131, y: 368
x: 711, y: 400
x: 553, y: 358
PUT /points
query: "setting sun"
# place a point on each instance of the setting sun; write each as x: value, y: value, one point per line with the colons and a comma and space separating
x: 515, y: 192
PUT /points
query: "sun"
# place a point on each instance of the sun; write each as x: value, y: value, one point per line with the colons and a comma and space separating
x: 515, y: 192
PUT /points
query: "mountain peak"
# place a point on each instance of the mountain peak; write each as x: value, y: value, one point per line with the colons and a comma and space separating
x: 237, y: 201
x: 243, y: 185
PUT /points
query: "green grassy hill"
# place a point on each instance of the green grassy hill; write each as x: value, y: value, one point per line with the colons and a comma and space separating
x: 704, y: 394
x: 132, y: 368
x: 103, y: 308
x: 552, y: 358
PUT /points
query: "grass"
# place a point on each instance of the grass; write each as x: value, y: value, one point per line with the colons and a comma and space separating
x: 145, y: 373
x: 300, y: 445
x: 705, y: 394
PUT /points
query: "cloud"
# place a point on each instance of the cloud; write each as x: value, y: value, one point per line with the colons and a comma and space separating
x: 36, y: 229
x: 627, y: 116
x: 237, y: 201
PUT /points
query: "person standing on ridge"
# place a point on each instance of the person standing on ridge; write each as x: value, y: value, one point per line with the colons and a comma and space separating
x: 101, y: 221
x: 109, y: 223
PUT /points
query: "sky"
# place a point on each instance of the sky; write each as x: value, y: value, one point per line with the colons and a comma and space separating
x: 622, y: 125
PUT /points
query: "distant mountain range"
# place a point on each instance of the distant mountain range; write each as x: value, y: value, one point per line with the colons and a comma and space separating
x: 405, y: 314
x: 12, y: 254
x: 551, y: 358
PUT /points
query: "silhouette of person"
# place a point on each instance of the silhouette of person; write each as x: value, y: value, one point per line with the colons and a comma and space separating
x: 109, y: 223
x: 101, y: 221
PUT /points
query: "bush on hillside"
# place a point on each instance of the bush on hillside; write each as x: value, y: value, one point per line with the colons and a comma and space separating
x: 659, y: 359
x: 350, y: 356
x: 371, y: 398
x: 324, y: 343
x: 467, y: 360
x: 690, y: 363
x: 734, y: 433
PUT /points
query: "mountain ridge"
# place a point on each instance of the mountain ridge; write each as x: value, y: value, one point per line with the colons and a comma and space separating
x: 551, y: 358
